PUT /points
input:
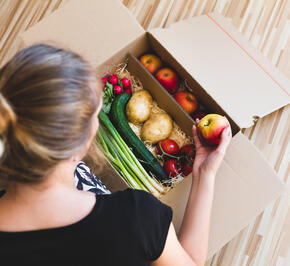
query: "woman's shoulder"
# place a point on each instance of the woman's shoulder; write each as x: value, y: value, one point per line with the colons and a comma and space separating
x: 146, y: 217
x: 132, y: 197
x: 136, y: 204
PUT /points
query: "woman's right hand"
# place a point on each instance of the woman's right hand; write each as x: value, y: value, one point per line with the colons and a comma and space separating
x: 208, y: 159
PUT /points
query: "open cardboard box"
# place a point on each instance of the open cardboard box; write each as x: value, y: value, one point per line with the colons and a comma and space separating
x: 227, y: 74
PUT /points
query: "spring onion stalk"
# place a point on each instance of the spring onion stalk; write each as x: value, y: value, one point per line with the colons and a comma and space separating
x: 134, y: 168
x: 131, y: 164
x: 117, y: 159
x: 112, y: 154
x: 142, y: 173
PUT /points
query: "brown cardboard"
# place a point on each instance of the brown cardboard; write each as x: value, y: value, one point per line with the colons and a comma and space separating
x: 160, y: 95
x: 240, y: 177
x: 234, y: 73
x: 199, y: 91
x: 98, y: 29
x: 245, y: 183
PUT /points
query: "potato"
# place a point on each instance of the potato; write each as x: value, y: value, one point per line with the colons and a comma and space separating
x: 138, y: 109
x: 156, y: 128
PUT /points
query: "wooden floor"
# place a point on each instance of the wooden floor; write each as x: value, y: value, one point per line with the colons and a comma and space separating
x: 266, y: 23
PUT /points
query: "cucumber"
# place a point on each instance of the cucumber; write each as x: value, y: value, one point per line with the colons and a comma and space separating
x: 119, y: 120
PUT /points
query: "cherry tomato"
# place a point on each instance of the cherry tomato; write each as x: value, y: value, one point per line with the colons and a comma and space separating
x: 169, y: 146
x: 188, y: 151
x: 171, y: 168
x: 186, y: 167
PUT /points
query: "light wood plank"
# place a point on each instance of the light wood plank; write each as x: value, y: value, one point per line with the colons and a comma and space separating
x: 266, y: 23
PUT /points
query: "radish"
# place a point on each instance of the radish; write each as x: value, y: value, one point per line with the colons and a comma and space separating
x: 113, y: 79
x: 128, y: 90
x: 117, y: 89
x: 105, y: 80
x: 126, y: 83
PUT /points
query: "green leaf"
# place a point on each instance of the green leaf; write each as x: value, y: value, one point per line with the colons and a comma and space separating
x: 120, y: 83
x: 107, y: 107
x: 109, y: 85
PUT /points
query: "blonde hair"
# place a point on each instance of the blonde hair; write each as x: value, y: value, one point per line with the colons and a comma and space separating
x: 46, y: 108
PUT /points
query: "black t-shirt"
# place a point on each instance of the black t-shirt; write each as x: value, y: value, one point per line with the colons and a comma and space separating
x: 124, y: 228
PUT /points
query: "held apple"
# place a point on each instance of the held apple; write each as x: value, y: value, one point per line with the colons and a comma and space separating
x: 187, y: 101
x: 151, y: 62
x: 168, y: 79
x: 210, y: 127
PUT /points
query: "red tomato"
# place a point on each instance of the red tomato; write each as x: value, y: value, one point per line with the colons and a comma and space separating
x: 186, y: 168
x: 169, y: 146
x: 188, y: 151
x: 170, y: 167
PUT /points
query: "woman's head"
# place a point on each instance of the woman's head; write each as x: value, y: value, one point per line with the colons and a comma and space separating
x: 48, y: 102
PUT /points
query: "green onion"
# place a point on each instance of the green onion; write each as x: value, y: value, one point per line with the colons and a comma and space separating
x: 120, y: 155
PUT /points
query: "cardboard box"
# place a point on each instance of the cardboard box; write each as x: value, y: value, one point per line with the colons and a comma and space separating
x: 227, y: 74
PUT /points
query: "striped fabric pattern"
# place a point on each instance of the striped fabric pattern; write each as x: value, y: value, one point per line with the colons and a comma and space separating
x: 87, y: 181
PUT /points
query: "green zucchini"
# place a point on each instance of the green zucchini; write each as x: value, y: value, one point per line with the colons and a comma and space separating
x: 119, y: 120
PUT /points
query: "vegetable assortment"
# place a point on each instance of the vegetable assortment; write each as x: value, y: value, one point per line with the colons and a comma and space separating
x: 114, y: 86
x: 123, y: 159
x: 127, y: 150
x: 120, y: 121
x: 176, y: 161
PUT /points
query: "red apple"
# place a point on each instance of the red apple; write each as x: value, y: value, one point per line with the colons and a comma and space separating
x: 187, y: 101
x: 151, y: 62
x: 210, y: 127
x: 168, y: 79
x: 198, y: 115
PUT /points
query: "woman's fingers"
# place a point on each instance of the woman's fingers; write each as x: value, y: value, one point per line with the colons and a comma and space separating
x: 225, y: 140
x: 195, y: 136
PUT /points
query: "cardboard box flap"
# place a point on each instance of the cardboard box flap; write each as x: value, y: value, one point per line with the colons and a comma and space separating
x: 245, y: 184
x: 242, y: 81
x: 95, y: 29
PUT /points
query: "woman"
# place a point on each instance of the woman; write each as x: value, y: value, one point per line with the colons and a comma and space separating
x: 49, y: 103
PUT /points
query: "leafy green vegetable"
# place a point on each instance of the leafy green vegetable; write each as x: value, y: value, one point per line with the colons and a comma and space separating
x: 108, y: 97
x: 123, y: 159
